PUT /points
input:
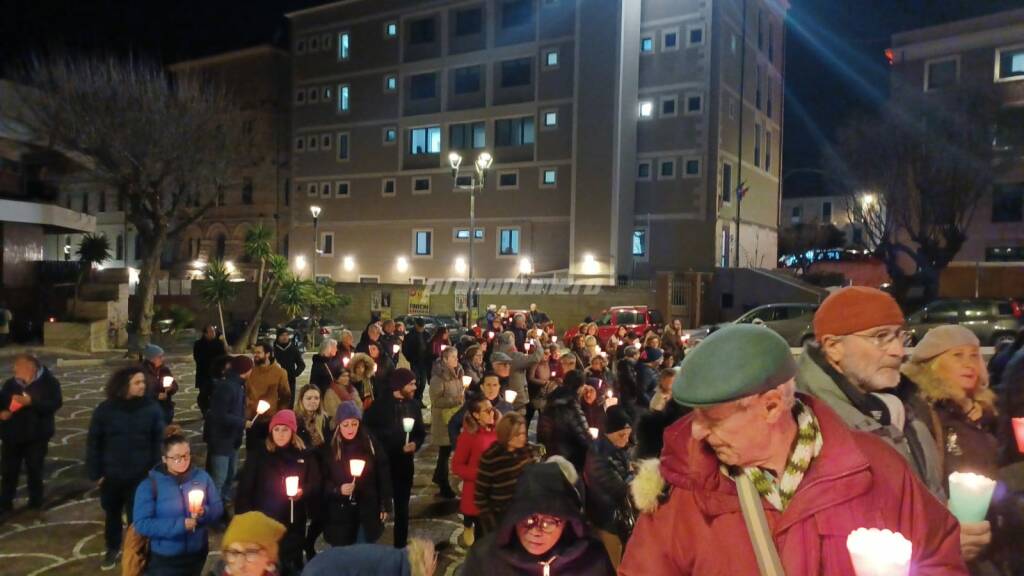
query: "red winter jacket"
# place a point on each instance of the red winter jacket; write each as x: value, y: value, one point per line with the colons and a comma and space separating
x: 466, y: 463
x: 857, y: 481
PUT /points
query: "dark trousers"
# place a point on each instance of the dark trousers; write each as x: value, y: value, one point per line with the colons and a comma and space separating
x: 180, y: 565
x: 444, y: 453
x: 11, y: 457
x: 401, y: 485
x: 422, y: 379
x: 117, y: 495
x: 342, y: 526
x: 204, y: 387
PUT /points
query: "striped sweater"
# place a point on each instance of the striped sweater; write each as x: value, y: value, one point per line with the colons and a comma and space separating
x: 496, y: 480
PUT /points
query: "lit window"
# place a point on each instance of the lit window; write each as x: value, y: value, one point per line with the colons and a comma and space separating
x: 1010, y: 64
x: 551, y: 58
x: 640, y: 242
x: 550, y: 177
x: 391, y: 29
x: 343, y: 46
x: 390, y: 134
x: 646, y: 109
x: 551, y: 119
x: 462, y: 234
x: 425, y: 140
x: 390, y: 82
x: 508, y: 241
x: 343, y: 102
x: 422, y: 242
x: 647, y: 44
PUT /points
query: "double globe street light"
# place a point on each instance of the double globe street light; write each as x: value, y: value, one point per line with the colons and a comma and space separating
x: 477, y: 180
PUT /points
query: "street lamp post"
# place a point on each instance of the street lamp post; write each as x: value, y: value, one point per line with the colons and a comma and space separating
x: 483, y: 163
x: 315, y: 211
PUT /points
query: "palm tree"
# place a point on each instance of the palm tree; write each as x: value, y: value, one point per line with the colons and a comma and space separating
x: 218, y: 288
x: 93, y: 249
x: 259, y: 246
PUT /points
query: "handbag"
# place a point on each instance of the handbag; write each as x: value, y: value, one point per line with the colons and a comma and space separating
x: 768, y: 561
x: 135, y: 548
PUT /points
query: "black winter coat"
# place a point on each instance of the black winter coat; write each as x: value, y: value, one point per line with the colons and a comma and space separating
x: 154, y: 387
x: 372, y: 491
x: 562, y: 427
x: 225, y: 419
x: 290, y: 358
x: 204, y: 352
x: 124, y: 440
x: 261, y: 485
x: 384, y: 420
x: 416, y: 349
x: 606, y: 476
x: 36, y: 421
x: 321, y: 375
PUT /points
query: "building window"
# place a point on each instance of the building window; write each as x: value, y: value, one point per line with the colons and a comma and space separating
x: 463, y: 182
x: 326, y: 244
x: 469, y: 22
x: 311, y: 189
x: 343, y: 146
x: 767, y: 151
x: 695, y: 37
x: 247, y: 191
x: 341, y: 190
x: 343, y: 102
x: 760, y: 30
x: 551, y: 119
x: 647, y: 45
x: 422, y: 242
x: 768, y: 98
x: 551, y: 58
x: 421, y: 185
x: 391, y: 29
x: 387, y: 187
x: 939, y: 74
x: 666, y: 170
x: 1009, y: 64
x: 513, y: 131
x: 327, y: 94
x: 300, y: 46
x: 423, y: 86
x: 390, y: 82
x: 313, y: 95
x: 467, y: 80
x: 508, y: 241
x: 462, y: 234
x: 119, y: 247
x: 467, y: 135
x: 313, y: 143
x: 640, y: 242
x: 726, y: 182
x: 771, y: 41
x: 515, y: 72
x: 508, y: 180
x: 343, y: 39
x: 325, y: 142
x: 670, y: 40
x: 646, y: 109
x: 421, y: 31
x: 426, y: 140
x: 300, y: 96
x: 221, y: 247
x: 796, y: 214
x: 691, y: 167
x: 694, y: 104
x: 826, y: 211
x: 314, y: 44
x: 1007, y: 203
x: 549, y: 177
x: 757, y: 145
x: 390, y: 134
x: 757, y: 88
x: 325, y: 189
x: 668, y: 106
x: 643, y: 170
x: 516, y: 13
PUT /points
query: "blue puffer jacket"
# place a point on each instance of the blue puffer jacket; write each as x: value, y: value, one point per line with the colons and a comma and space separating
x: 161, y: 516
x: 360, y: 559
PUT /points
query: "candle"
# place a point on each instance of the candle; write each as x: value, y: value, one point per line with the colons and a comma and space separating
x: 344, y: 361
x: 877, y: 552
x: 593, y: 433
x: 168, y: 380
x: 490, y: 335
x: 356, y: 468
x: 444, y: 347
x: 466, y: 381
x: 261, y: 408
x: 553, y: 373
x: 1018, y: 431
x: 510, y: 396
x: 407, y: 424
x: 527, y: 346
x: 395, y: 348
x: 195, y: 502
x: 291, y: 488
x: 969, y: 496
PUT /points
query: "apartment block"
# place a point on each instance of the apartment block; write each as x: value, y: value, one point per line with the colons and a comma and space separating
x: 620, y: 132
x: 985, y: 53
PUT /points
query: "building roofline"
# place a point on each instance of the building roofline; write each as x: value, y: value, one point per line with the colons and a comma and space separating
x: 315, y: 9
x: 1003, y: 19
x: 226, y: 57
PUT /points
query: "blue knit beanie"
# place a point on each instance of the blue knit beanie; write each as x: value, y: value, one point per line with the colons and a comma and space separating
x: 347, y: 410
x: 152, y: 351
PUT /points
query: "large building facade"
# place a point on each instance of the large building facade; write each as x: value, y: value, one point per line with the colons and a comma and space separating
x: 986, y: 54
x: 620, y: 131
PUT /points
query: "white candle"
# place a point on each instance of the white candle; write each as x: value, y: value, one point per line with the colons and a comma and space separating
x: 395, y: 348
x: 553, y: 373
x: 510, y: 396
x: 444, y: 347
x: 877, y: 552
x: 407, y: 424
x: 554, y: 339
x: 291, y: 486
x: 344, y: 361
x: 356, y: 467
x: 466, y: 381
x: 195, y: 501
x: 262, y: 407
x: 969, y: 496
x: 168, y: 380
x: 593, y: 433
x: 490, y: 335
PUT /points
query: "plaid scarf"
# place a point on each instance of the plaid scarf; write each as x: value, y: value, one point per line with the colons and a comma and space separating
x: 778, y: 493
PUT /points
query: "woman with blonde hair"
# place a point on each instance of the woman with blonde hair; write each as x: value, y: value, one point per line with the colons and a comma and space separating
x: 314, y: 431
x: 447, y: 395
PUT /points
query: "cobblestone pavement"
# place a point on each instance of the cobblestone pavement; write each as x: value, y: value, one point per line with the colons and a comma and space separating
x: 66, y: 537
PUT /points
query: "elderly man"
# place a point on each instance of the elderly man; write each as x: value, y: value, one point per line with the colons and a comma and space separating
x: 761, y: 480
x: 511, y: 366
x: 28, y: 402
x: 156, y: 371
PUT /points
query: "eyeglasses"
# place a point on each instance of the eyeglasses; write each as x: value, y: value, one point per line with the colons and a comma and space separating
x: 247, y: 556
x: 179, y: 459
x: 546, y: 524
x: 884, y: 338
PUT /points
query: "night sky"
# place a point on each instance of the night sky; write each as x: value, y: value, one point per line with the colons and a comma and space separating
x: 834, y: 55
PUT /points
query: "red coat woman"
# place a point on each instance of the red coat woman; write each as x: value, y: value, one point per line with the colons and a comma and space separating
x: 477, y: 436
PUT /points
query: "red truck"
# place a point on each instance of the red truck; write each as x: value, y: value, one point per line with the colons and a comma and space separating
x: 636, y: 319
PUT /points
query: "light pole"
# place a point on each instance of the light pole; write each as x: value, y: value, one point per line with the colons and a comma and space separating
x: 483, y: 163
x: 315, y: 211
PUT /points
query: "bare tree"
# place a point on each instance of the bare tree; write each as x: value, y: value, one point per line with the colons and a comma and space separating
x: 164, y: 145
x: 913, y: 181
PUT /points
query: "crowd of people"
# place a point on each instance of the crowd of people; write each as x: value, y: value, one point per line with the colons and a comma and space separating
x: 633, y: 454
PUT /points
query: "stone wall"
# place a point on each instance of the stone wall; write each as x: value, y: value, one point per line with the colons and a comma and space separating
x: 82, y: 336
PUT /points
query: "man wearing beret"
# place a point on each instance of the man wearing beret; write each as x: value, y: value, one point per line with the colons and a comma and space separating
x: 760, y: 480
x: 854, y: 366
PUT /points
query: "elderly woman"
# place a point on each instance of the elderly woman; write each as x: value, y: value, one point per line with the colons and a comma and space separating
x: 322, y: 374
x: 446, y: 397
x: 362, y: 368
x: 473, y: 363
x: 250, y: 546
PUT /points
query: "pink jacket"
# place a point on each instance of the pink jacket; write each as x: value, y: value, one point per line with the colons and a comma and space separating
x: 466, y: 463
x: 857, y: 481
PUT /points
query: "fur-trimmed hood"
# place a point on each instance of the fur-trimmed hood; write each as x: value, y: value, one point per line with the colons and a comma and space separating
x: 648, y: 486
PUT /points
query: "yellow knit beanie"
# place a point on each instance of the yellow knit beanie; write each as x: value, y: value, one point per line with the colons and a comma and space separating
x: 254, y: 528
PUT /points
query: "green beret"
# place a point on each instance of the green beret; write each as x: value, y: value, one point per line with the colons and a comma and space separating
x: 736, y: 361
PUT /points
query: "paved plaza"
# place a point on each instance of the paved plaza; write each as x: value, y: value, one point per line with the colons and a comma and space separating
x: 66, y: 538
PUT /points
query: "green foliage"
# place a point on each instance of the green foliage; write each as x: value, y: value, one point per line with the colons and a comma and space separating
x: 218, y: 289
x: 324, y: 300
x: 93, y: 249
x: 294, y: 295
x: 259, y: 242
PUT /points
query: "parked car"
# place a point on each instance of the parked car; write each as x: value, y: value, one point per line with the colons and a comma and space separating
x: 791, y: 320
x: 994, y: 322
x: 543, y: 320
x: 328, y: 328
x: 637, y: 319
x: 431, y: 322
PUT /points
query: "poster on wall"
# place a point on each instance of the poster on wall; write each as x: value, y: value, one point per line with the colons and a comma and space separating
x: 419, y: 301
x: 380, y: 304
x: 460, y: 300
